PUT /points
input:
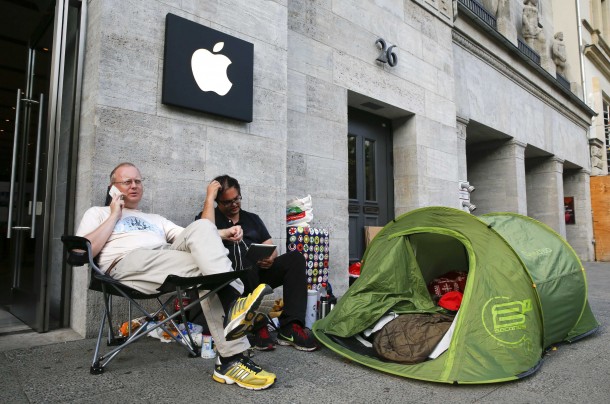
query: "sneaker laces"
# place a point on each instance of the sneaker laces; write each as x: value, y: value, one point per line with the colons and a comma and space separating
x: 251, y: 365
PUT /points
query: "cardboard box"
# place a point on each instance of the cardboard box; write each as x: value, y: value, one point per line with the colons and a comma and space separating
x: 369, y: 233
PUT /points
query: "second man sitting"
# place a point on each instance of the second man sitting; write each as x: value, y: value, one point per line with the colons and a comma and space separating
x: 287, y: 270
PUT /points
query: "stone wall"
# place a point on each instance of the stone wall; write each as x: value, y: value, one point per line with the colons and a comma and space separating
x: 332, y: 55
x: 312, y: 59
x: 178, y: 151
x: 517, y: 105
x: 504, y: 98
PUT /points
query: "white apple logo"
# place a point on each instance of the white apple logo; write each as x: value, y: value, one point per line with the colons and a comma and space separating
x: 210, y: 70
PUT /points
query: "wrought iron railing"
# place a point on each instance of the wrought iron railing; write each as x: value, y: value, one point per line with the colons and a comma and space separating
x: 529, y: 52
x: 480, y: 12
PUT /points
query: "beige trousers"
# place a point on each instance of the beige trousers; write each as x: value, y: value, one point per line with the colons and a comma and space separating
x: 198, y: 250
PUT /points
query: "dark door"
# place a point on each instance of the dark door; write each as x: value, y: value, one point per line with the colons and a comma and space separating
x: 24, y: 172
x: 371, y: 201
x: 34, y: 105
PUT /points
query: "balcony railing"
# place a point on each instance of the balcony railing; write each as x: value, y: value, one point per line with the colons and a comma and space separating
x: 480, y: 12
x: 529, y: 52
x: 563, y: 81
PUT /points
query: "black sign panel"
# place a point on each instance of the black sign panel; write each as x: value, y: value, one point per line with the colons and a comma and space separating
x: 207, y: 70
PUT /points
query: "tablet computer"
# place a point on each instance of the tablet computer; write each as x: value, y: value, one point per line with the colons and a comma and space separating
x: 257, y: 252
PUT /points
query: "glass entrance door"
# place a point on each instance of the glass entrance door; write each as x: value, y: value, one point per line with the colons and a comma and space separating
x: 40, y: 48
x: 24, y: 176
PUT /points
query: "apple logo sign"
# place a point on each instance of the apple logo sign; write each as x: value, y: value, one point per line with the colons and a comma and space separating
x: 210, y: 70
x: 207, y: 70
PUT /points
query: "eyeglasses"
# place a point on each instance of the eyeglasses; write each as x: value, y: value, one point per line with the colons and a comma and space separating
x: 128, y: 182
x: 235, y: 201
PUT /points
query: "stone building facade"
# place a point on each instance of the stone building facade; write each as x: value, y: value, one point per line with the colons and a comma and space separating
x: 463, y: 101
x: 449, y: 90
x: 527, y: 133
x: 592, y: 35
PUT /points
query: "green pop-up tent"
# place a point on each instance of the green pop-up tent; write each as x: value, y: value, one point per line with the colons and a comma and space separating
x: 526, y: 290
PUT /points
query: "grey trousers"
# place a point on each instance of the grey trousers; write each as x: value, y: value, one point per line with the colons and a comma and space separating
x: 198, y: 250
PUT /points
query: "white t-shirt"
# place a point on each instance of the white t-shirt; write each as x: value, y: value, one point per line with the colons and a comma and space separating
x: 135, y: 229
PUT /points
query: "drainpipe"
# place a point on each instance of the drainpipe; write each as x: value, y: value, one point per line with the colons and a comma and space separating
x: 581, y: 55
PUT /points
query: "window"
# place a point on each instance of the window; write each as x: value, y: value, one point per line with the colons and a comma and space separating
x: 369, y: 170
x: 351, y: 167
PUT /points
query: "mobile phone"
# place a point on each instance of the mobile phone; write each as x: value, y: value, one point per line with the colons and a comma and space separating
x: 114, y: 191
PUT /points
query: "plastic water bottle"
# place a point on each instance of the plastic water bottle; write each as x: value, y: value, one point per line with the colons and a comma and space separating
x: 311, y: 314
x: 207, y: 348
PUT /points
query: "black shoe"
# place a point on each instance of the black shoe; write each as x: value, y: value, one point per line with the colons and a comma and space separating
x: 262, y: 340
x: 297, y: 336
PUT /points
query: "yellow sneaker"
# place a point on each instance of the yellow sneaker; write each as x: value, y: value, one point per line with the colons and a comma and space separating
x: 248, y: 311
x: 244, y: 372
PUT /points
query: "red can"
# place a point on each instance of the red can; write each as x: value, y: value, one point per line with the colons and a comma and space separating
x: 185, y: 301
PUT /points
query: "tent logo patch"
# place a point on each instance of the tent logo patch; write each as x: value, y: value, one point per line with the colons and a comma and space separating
x: 541, y: 252
x: 505, y: 319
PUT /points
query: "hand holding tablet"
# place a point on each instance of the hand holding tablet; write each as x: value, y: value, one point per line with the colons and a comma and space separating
x: 257, y: 252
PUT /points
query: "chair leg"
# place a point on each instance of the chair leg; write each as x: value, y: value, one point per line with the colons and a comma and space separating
x: 96, y: 368
x: 187, y: 340
x: 100, y: 361
x: 113, y: 339
x: 104, y: 359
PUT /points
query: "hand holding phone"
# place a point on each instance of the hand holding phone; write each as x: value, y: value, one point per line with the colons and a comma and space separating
x: 116, y: 204
x: 114, y: 191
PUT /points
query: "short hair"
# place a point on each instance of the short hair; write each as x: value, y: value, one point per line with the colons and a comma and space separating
x: 227, y: 182
x: 123, y: 164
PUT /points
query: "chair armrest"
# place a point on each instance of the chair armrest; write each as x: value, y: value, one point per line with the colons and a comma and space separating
x: 78, y: 249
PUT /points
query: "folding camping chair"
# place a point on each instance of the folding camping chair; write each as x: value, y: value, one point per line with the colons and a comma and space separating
x: 79, y: 253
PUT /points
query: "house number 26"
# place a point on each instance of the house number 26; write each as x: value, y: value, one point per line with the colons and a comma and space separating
x: 387, y: 55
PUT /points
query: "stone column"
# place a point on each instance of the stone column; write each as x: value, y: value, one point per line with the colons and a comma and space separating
x: 576, y: 183
x: 497, y: 171
x: 425, y: 164
x: 545, y: 192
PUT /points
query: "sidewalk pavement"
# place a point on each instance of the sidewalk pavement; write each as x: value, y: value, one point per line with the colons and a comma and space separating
x: 154, y: 372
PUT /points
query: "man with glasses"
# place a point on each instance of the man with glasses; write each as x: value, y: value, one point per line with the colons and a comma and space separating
x: 142, y: 249
x: 287, y: 270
